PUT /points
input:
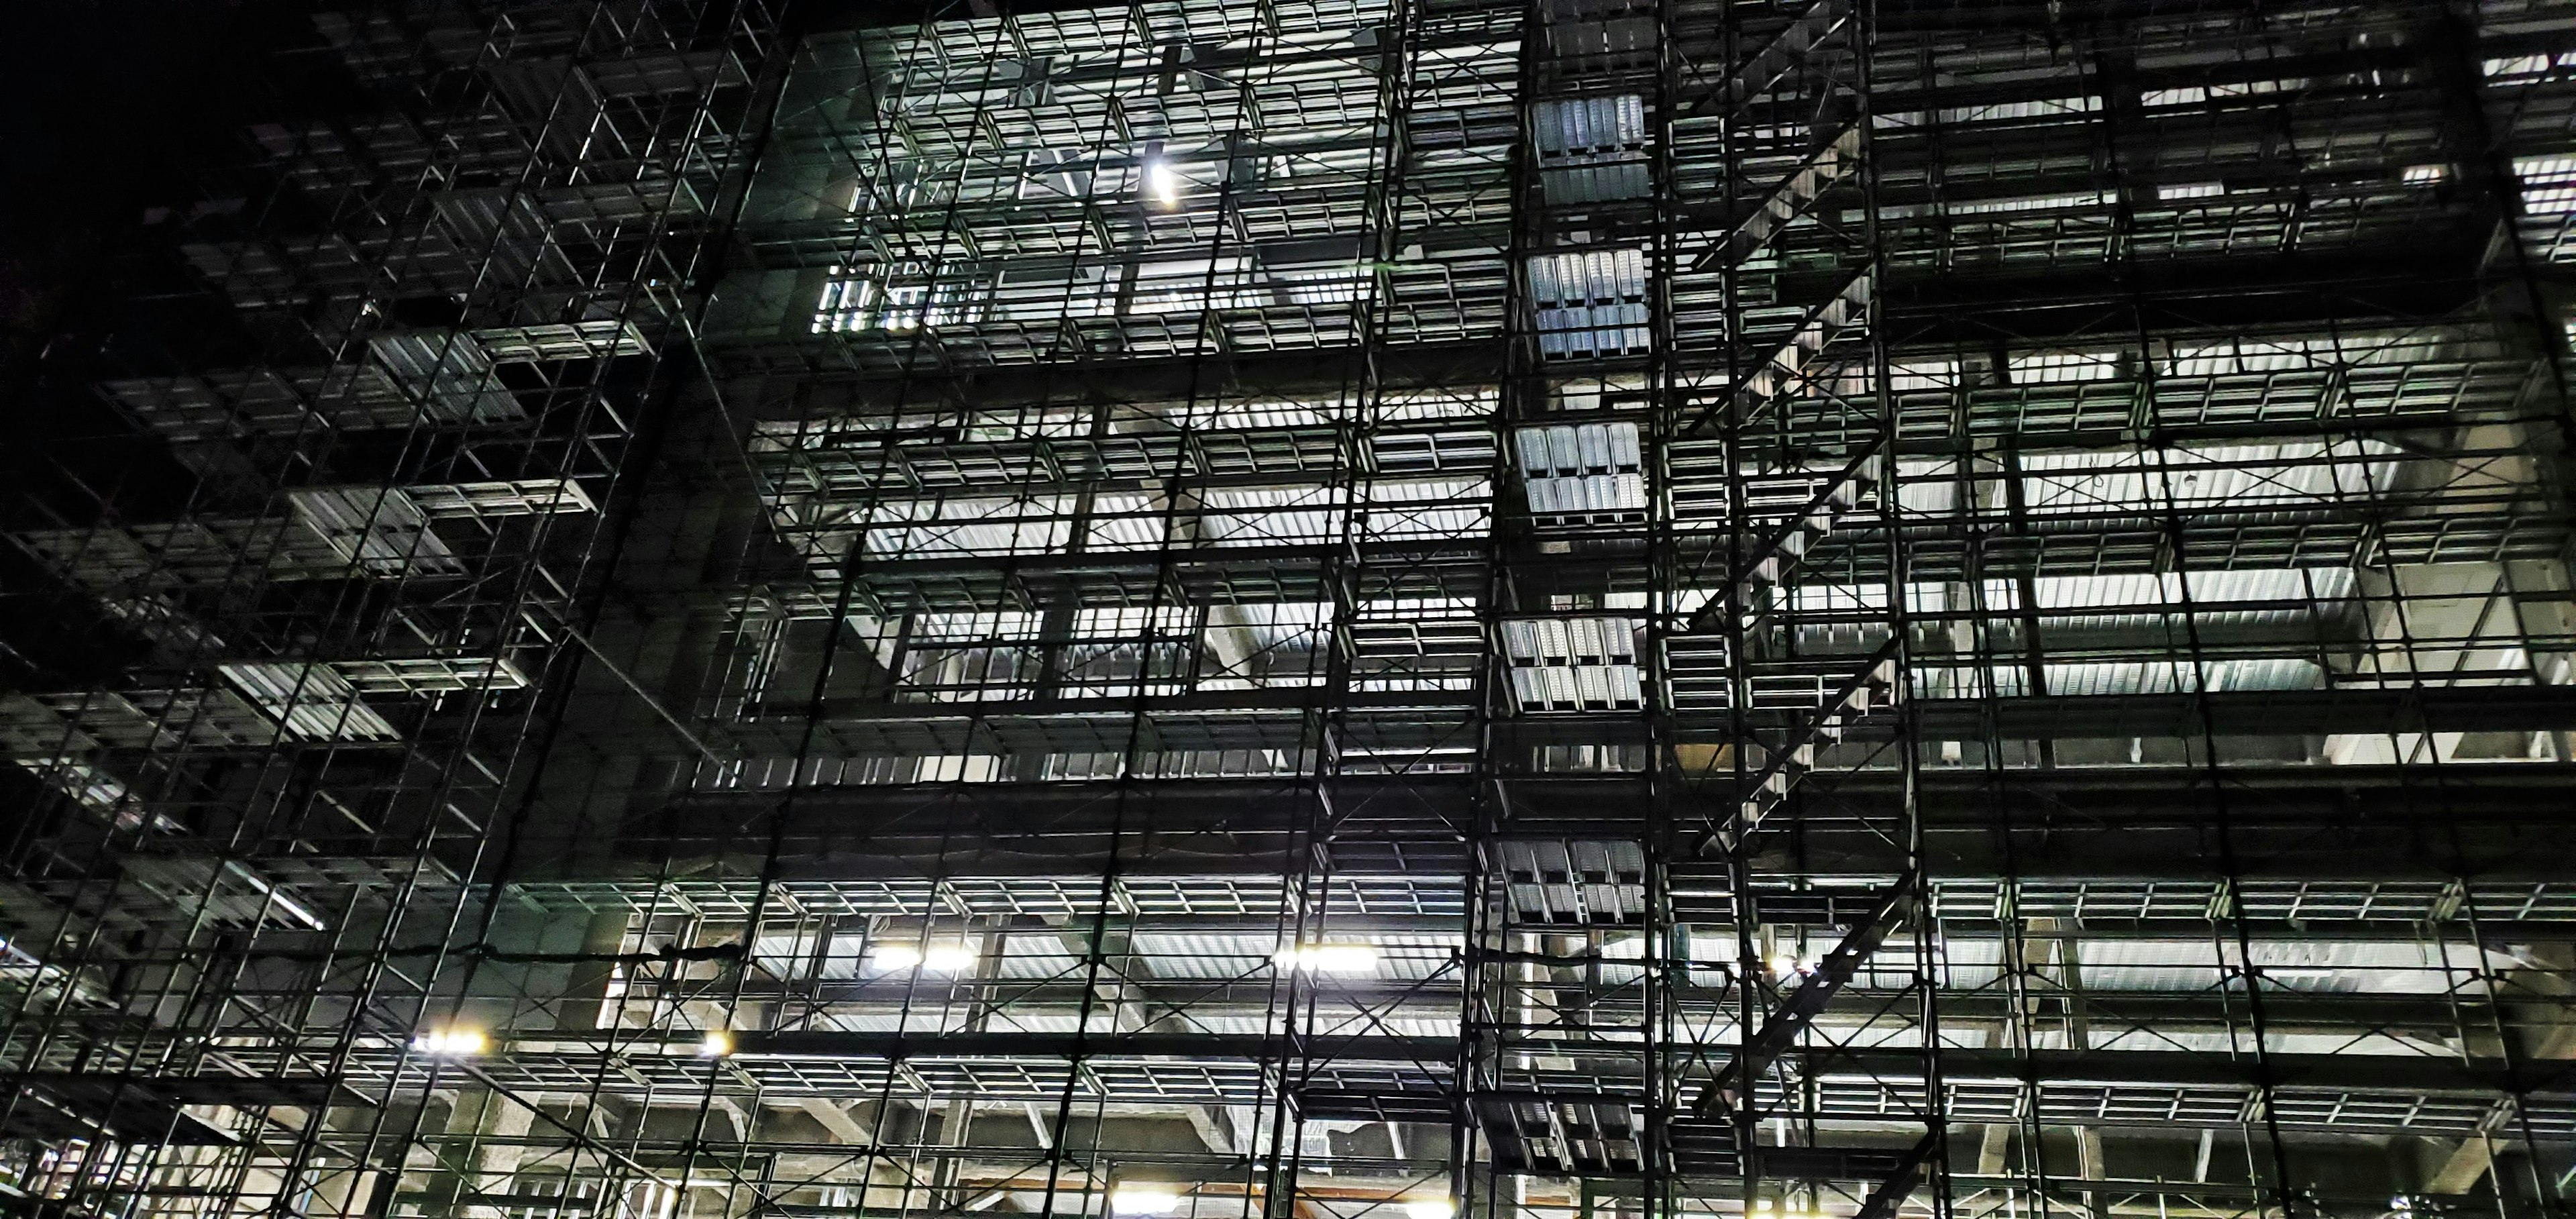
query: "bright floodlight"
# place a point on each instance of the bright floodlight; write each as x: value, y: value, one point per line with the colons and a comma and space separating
x: 716, y: 1044
x: 1162, y: 184
x: 1429, y: 1208
x: 948, y: 958
x: 450, y: 1042
x: 1143, y: 1200
x: 887, y: 958
x: 1328, y: 958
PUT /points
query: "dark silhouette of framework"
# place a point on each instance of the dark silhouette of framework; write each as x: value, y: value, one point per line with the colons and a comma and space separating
x: 1581, y: 609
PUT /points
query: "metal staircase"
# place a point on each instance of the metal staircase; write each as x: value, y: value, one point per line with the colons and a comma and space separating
x: 1780, y: 479
x: 1696, y: 486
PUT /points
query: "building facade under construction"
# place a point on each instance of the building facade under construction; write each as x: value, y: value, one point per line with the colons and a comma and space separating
x: 1318, y: 609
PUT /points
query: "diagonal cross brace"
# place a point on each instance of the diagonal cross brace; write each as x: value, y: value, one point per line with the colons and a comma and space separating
x: 1786, y: 359
x: 1786, y: 202
x: 1764, y: 69
x: 1891, y: 1193
x: 1874, y: 670
x: 1814, y: 993
x: 1771, y: 541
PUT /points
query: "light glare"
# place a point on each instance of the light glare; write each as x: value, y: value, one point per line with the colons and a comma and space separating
x: 1328, y: 958
x: 716, y: 1044
x: 1429, y: 1208
x: 951, y: 957
x: 450, y: 1042
x: 1143, y: 1200
x: 1163, y: 184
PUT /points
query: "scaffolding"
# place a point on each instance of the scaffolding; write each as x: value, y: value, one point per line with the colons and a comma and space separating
x: 1481, y: 609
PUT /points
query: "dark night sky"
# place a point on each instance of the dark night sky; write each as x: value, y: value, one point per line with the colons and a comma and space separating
x: 109, y: 106
x: 104, y: 105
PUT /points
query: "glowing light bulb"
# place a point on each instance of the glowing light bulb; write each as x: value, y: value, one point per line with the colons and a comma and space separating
x: 1429, y: 1208
x: 948, y: 958
x: 1783, y: 965
x: 1163, y: 185
x: 888, y: 958
x: 716, y: 1044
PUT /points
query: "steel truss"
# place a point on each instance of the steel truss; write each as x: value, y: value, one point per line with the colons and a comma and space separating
x: 1583, y: 609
